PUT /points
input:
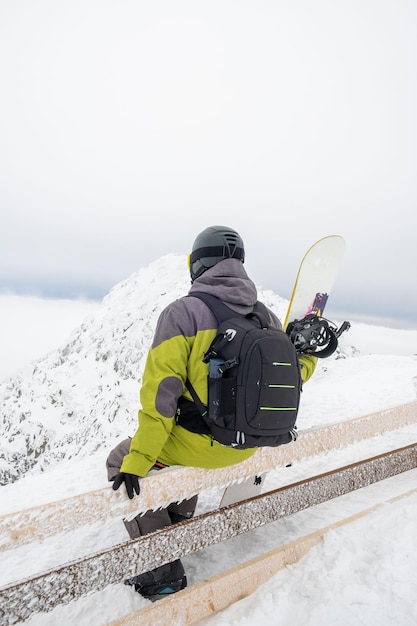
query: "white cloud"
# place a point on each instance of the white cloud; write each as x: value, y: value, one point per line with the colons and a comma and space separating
x: 127, y: 128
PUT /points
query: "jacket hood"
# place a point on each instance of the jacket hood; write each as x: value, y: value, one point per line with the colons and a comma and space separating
x: 228, y: 281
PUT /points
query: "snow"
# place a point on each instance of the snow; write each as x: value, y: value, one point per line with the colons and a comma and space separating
x: 361, y: 573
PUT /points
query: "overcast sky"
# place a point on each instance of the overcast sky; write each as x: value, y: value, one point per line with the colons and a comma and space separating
x: 128, y: 126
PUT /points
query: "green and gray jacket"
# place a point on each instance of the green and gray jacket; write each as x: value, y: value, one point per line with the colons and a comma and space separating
x: 184, y: 332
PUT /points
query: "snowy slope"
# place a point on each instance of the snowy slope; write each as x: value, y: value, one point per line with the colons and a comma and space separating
x: 84, y: 393
x: 80, y: 398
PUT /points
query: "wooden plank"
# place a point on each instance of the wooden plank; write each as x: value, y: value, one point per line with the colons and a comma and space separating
x: 206, y: 598
x: 162, y: 488
x: 45, y: 591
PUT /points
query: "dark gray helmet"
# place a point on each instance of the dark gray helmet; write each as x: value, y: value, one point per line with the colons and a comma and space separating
x: 213, y: 245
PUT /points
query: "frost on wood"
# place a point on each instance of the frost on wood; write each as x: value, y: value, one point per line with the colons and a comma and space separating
x: 209, y: 596
x: 44, y: 592
x: 179, y: 483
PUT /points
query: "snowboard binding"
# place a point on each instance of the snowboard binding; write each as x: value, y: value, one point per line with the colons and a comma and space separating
x: 315, y: 335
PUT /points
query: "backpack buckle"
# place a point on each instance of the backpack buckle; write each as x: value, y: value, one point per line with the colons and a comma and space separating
x: 228, y: 364
x: 215, y: 347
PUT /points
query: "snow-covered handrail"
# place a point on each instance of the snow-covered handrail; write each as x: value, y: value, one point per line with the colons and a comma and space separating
x: 205, y: 598
x: 94, y: 572
x: 179, y: 483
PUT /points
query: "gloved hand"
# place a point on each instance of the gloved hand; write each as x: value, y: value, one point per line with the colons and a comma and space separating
x: 131, y: 482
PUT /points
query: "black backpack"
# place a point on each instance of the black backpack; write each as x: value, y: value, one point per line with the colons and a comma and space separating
x: 254, y: 384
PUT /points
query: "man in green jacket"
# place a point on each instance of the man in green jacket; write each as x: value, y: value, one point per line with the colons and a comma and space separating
x: 184, y: 332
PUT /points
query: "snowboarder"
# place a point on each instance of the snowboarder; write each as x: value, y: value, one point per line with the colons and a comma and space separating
x: 184, y: 332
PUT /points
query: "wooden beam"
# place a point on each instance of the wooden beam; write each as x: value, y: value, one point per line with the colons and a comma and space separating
x: 179, y: 483
x: 217, y: 593
x: 45, y: 591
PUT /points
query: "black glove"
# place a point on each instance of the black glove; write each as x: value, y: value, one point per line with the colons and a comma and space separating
x: 131, y: 482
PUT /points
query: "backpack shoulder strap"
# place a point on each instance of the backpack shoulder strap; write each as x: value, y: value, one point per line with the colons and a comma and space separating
x: 218, y: 308
x: 261, y: 313
x: 222, y: 312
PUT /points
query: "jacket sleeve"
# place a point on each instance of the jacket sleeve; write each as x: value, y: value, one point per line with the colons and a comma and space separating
x: 308, y: 365
x: 163, y: 383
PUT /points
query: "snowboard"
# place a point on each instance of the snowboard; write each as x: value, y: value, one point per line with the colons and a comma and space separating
x: 312, y: 286
x: 315, y: 278
x: 247, y: 488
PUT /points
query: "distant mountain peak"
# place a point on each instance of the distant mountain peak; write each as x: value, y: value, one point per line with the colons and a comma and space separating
x: 84, y: 394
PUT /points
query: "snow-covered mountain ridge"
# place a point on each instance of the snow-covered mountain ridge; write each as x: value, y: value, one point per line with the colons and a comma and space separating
x: 85, y: 393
